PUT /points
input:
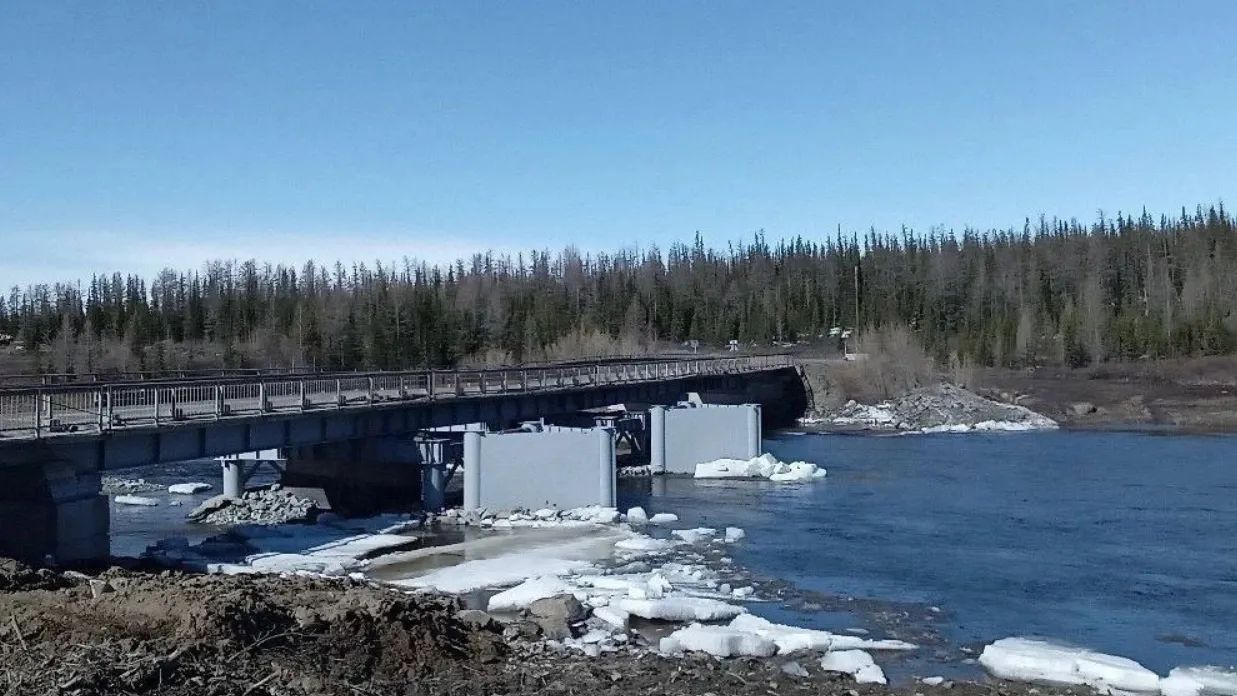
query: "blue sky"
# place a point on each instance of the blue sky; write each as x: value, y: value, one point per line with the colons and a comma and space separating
x: 138, y: 135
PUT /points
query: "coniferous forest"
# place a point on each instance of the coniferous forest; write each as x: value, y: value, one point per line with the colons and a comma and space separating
x: 1053, y: 292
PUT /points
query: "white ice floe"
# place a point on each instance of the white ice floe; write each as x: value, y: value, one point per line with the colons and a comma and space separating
x: 492, y: 572
x: 529, y: 591
x: 646, y: 544
x: 989, y: 426
x: 663, y: 518
x: 856, y: 663
x: 720, y: 641
x: 1199, y: 681
x: 791, y: 639
x: 1039, y: 661
x: 695, y: 536
x: 933, y: 681
x: 734, y: 534
x: 188, y: 488
x: 680, y: 609
x: 637, y: 515
x: 138, y: 500
x: 766, y: 466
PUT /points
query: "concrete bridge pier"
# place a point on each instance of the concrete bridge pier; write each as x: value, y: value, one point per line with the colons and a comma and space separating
x: 557, y: 467
x: 53, y: 511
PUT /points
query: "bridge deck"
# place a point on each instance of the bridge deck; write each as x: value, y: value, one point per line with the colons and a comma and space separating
x: 55, y: 411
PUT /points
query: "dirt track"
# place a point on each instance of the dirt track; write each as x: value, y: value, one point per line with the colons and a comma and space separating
x: 127, y: 632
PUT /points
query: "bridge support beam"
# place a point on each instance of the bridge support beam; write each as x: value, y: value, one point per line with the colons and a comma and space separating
x: 53, y: 511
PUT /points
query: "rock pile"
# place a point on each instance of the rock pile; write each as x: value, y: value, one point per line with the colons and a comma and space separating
x: 272, y: 505
x: 942, y: 408
x: 115, y: 485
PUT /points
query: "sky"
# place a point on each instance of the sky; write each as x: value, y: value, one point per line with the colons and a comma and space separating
x: 138, y: 135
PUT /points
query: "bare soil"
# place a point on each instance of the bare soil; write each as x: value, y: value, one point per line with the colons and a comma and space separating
x: 134, y: 632
x: 1188, y: 395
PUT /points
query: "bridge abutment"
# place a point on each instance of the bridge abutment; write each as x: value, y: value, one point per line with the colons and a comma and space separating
x: 54, y: 510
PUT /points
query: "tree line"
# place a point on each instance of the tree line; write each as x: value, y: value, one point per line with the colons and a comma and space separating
x: 1055, y: 291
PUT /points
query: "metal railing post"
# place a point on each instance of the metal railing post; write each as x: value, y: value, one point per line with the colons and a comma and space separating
x: 339, y: 393
x: 38, y: 415
x: 300, y: 395
x: 261, y: 397
x: 432, y: 379
x: 218, y: 401
x: 370, y: 386
x: 156, y: 400
x: 524, y: 380
x: 481, y: 380
x: 109, y: 413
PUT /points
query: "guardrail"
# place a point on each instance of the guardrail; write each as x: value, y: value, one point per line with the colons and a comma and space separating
x: 37, y: 412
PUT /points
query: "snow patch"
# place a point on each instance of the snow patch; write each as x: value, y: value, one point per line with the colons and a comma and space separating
x: 1039, y: 661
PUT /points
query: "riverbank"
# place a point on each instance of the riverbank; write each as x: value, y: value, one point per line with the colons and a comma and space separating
x: 141, y: 632
x: 1174, y: 396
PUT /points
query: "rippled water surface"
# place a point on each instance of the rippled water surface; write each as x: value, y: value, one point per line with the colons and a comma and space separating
x: 1125, y: 543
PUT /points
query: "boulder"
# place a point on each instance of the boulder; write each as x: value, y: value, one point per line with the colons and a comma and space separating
x: 564, y: 607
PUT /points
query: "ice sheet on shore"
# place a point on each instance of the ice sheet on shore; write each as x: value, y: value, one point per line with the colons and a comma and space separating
x: 1040, y: 661
x: 680, y: 609
x: 529, y: 591
x: 721, y: 641
x: 1199, y: 681
x: 766, y: 466
x: 856, y: 663
x: 791, y: 639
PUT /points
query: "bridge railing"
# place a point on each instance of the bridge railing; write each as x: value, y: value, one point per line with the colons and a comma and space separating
x: 37, y: 412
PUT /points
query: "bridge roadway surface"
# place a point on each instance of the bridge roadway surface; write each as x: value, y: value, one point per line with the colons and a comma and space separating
x: 93, y: 410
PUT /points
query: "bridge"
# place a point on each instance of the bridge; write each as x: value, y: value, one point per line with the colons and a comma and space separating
x: 57, y: 439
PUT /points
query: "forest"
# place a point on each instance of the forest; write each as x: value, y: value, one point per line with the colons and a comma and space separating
x: 1055, y: 291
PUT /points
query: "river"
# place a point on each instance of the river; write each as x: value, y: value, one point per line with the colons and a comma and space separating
x: 1121, y: 542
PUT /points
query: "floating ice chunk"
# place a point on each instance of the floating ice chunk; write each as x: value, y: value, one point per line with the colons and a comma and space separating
x: 663, y: 518
x: 527, y: 592
x: 135, y: 500
x: 612, y: 615
x: 793, y: 639
x: 720, y: 641
x: 933, y: 681
x: 637, y: 515
x: 734, y: 534
x: 645, y: 544
x: 1032, y: 660
x: 1199, y: 681
x: 680, y: 609
x: 188, y: 488
x: 694, y: 536
x: 765, y: 466
x: 856, y: 663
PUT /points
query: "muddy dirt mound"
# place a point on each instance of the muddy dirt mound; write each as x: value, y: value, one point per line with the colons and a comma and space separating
x: 125, y: 632
x: 16, y: 576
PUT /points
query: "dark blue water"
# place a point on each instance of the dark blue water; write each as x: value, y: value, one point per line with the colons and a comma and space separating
x: 1125, y: 543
